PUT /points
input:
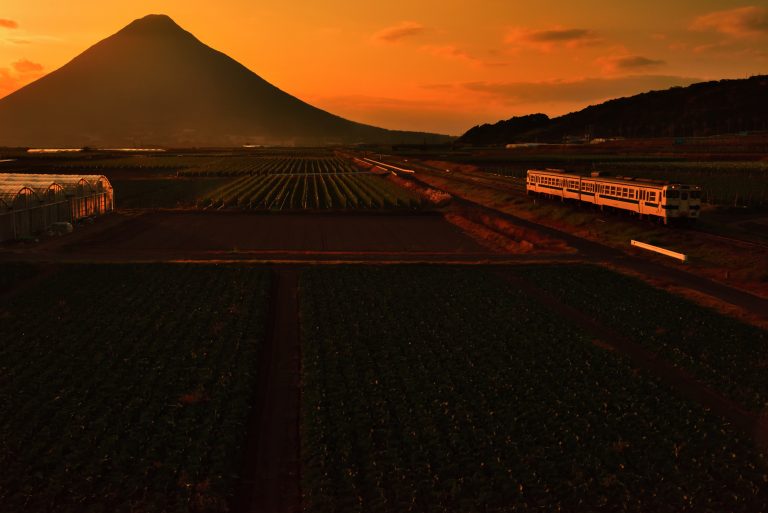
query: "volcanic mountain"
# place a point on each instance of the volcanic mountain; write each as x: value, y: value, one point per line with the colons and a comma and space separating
x: 153, y: 83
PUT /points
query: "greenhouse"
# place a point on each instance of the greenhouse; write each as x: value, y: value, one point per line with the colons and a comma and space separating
x: 32, y: 203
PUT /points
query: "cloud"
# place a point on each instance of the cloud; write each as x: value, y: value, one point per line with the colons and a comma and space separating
x: 397, y: 32
x: 628, y: 63
x: 548, y: 39
x: 449, y: 52
x: 438, y: 86
x: 9, y: 24
x: 18, y: 75
x: 26, y: 66
x: 570, y: 91
x: 453, y: 52
x: 741, y: 22
x: 24, y: 38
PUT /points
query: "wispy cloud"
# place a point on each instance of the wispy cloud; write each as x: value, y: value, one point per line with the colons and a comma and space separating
x: 26, y: 39
x: 397, y: 32
x: 27, y: 66
x: 570, y: 91
x: 456, y: 53
x: 449, y: 52
x: 741, y: 22
x: 549, y: 39
x: 626, y: 63
x: 9, y: 24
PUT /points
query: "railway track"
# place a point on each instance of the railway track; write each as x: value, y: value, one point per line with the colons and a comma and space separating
x: 732, y: 240
x: 499, y: 182
x: 507, y: 185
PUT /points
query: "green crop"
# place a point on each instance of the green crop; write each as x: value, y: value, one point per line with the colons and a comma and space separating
x: 128, y: 387
x: 441, y: 389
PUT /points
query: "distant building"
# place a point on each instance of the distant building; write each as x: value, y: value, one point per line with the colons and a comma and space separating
x: 524, y: 145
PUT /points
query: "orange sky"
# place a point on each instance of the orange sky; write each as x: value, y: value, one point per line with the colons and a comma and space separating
x: 425, y: 64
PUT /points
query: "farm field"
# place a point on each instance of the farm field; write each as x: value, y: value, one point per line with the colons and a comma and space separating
x: 299, y: 162
x: 168, y: 192
x: 132, y: 391
x: 450, y: 390
x: 315, y: 190
x: 425, y: 388
x: 724, y: 353
x: 264, y: 180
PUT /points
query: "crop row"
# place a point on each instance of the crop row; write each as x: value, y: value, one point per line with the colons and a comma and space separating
x: 113, y: 402
x: 448, y: 390
x: 311, y: 191
x: 296, y: 165
x: 728, y: 355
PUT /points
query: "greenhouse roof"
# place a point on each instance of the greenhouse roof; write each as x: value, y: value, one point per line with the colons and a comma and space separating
x: 14, y: 184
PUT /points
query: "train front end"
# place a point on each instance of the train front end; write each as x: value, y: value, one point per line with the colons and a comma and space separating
x: 681, y: 202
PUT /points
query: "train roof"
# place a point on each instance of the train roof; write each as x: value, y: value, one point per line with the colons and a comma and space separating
x: 644, y: 182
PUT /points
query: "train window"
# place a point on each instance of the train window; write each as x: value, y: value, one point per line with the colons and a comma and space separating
x: 684, y: 196
x: 673, y: 194
x: 695, y: 194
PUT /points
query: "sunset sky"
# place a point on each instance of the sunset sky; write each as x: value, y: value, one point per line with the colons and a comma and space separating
x: 440, y: 66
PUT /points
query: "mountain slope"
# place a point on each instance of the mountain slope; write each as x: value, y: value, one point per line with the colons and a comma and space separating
x: 703, y: 109
x: 155, y: 83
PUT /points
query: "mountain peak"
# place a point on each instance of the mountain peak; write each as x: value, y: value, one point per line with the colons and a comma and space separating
x: 155, y: 83
x: 153, y: 24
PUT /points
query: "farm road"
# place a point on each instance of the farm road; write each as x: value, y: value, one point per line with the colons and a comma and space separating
x: 271, y: 476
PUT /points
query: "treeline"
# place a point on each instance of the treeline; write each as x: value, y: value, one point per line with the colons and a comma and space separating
x: 699, y: 110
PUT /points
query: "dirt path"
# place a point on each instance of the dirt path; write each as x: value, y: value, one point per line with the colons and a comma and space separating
x: 271, y: 476
x: 685, y: 383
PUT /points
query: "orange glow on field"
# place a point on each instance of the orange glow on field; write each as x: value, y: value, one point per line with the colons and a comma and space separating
x: 431, y: 65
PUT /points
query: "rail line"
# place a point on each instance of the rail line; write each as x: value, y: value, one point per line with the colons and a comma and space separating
x: 504, y: 184
x: 511, y: 187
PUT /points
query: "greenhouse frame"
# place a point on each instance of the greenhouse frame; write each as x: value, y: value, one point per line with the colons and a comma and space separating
x: 32, y: 203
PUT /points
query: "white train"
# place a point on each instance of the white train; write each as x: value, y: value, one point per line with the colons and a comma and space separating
x: 663, y: 200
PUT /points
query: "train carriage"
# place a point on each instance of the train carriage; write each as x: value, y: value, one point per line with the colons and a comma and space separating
x: 663, y: 200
